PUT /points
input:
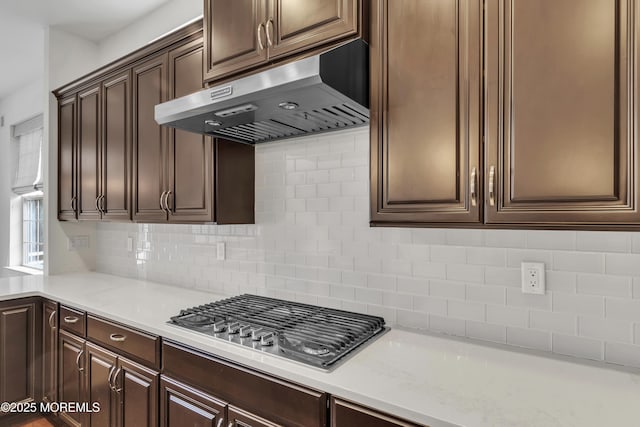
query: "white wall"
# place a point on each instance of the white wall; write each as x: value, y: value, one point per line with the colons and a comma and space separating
x: 312, y: 243
x: 161, y: 21
x: 67, y: 57
x: 21, y: 105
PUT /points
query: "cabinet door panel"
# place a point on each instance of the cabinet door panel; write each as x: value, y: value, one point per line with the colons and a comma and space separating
x: 67, y: 166
x: 231, y: 36
x: 240, y: 418
x: 17, y: 353
x: 138, y: 393
x: 425, y: 111
x: 71, y: 386
x: 116, y: 150
x: 149, y: 139
x: 345, y: 414
x: 49, y: 351
x: 181, y: 405
x: 101, y: 365
x: 560, y: 98
x: 88, y: 152
x: 190, y: 155
x: 301, y: 25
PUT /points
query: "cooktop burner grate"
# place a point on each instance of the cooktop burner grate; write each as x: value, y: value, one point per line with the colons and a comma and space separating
x: 310, y: 334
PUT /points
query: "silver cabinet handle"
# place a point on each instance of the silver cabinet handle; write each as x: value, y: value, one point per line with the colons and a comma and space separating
x: 220, y: 421
x: 115, y: 380
x: 472, y: 187
x: 71, y: 319
x: 259, y: 29
x: 97, y: 203
x: 73, y: 203
x: 110, y: 378
x: 165, y: 208
x: 166, y: 201
x: 161, y: 200
x: 80, y: 369
x: 117, y: 337
x: 492, y: 178
x: 102, y: 209
x: 230, y: 424
x: 51, y: 325
x: 267, y: 30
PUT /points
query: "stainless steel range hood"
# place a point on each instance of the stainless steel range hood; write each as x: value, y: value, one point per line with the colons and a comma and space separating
x: 325, y: 92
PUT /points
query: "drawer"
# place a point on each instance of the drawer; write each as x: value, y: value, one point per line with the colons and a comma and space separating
x: 73, y: 320
x: 137, y: 345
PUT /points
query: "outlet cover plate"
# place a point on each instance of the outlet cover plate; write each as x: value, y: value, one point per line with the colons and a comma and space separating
x: 533, y: 278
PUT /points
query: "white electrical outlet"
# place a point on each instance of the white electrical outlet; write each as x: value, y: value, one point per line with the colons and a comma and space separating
x: 129, y: 244
x: 220, y: 251
x: 77, y: 242
x: 533, y: 278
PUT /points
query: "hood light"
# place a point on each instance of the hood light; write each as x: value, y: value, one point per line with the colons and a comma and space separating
x: 212, y: 123
x: 288, y: 105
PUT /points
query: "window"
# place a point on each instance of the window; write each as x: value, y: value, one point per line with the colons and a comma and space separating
x: 33, y: 232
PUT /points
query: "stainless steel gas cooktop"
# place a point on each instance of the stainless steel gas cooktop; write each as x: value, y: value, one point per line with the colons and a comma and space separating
x: 305, y: 333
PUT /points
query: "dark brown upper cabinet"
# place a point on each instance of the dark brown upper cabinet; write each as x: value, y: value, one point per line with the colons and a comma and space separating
x: 557, y: 143
x: 67, y: 158
x: 189, y: 155
x: 561, y: 99
x: 425, y: 112
x: 115, y: 152
x: 89, y: 191
x: 149, y: 140
x: 242, y: 34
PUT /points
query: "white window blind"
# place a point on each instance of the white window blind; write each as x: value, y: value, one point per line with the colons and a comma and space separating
x: 28, y: 168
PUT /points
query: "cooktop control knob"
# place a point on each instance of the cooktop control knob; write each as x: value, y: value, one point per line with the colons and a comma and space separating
x: 219, y: 326
x: 234, y: 327
x: 244, y: 331
x: 266, y: 339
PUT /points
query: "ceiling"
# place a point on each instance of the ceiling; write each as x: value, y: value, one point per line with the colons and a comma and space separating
x: 22, y: 24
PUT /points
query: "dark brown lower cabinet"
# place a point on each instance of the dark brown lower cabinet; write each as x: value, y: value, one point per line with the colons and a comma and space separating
x: 101, y: 366
x: 240, y: 418
x: 137, y: 390
x: 347, y: 414
x: 181, y: 405
x: 49, y: 351
x: 71, y: 376
x: 19, y: 350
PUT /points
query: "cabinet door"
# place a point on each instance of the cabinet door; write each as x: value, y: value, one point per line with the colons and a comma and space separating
x: 67, y: 160
x: 345, y: 414
x: 101, y: 367
x: 234, y: 36
x: 49, y: 351
x: 88, y: 153
x: 71, y: 384
x: 294, y: 26
x: 561, y: 112
x: 116, y: 147
x: 137, y: 389
x: 181, y: 405
x: 425, y: 111
x: 240, y: 418
x: 149, y: 139
x: 18, y: 352
x: 190, y: 156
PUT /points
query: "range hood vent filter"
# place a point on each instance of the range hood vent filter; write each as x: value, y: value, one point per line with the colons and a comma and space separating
x: 325, y: 92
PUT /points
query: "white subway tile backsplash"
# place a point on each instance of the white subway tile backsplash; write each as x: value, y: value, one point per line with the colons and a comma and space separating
x: 601, y: 284
x: 486, y: 331
x: 529, y: 338
x: 583, y: 262
x: 571, y: 345
x: 312, y: 243
x: 623, y: 309
x: 585, y: 305
x: 564, y: 323
x: 542, y: 239
x: 466, y: 310
x: 605, y: 330
x: 623, y: 264
x: 622, y: 354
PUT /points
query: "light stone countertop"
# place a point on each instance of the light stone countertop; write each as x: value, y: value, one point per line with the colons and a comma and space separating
x: 428, y: 379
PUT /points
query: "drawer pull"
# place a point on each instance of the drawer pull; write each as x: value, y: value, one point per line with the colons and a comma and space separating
x: 71, y: 319
x: 117, y: 337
